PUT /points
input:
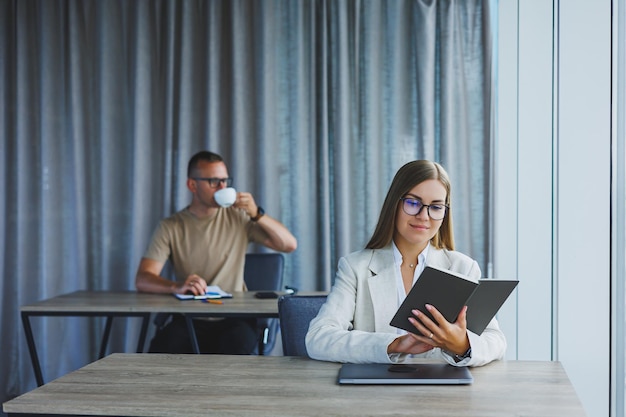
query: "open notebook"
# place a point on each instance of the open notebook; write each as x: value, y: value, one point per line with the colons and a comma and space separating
x: 407, y: 374
x: 212, y: 291
x: 449, y: 291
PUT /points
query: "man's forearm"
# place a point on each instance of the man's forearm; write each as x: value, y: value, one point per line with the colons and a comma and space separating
x: 149, y: 282
x: 280, y: 238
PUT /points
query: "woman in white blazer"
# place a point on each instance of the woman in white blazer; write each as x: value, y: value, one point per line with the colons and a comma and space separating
x: 414, y: 230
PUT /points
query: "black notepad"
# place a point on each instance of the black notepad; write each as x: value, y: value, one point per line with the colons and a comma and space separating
x: 449, y: 291
x: 403, y: 374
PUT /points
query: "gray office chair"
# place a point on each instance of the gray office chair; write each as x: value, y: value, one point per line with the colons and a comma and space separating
x: 264, y: 272
x: 295, y: 313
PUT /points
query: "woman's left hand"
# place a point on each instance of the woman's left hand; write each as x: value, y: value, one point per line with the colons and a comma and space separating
x: 451, y: 337
x: 408, y: 343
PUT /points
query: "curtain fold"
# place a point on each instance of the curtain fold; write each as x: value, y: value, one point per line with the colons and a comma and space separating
x: 313, y: 104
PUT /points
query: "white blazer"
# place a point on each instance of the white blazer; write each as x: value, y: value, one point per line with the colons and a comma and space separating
x: 353, y: 324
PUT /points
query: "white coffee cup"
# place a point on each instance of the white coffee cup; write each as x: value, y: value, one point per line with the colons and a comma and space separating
x: 225, y: 197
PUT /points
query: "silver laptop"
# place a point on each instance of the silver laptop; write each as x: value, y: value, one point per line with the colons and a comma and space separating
x: 407, y: 374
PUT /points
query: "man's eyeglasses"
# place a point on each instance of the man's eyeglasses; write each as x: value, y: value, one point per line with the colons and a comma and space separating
x: 413, y: 207
x: 215, y: 182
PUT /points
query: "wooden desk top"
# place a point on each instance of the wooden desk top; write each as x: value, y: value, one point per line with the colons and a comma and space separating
x: 273, y: 386
x: 120, y: 302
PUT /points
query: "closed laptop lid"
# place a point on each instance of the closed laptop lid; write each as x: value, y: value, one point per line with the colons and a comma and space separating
x: 422, y: 373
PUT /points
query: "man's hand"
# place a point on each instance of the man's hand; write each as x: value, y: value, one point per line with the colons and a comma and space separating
x: 246, y: 202
x: 279, y: 237
x: 195, y: 284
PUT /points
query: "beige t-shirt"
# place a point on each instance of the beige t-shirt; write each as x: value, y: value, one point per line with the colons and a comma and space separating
x: 213, y: 247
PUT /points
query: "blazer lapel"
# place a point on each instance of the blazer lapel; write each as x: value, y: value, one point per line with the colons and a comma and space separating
x: 383, y: 289
x: 438, y: 258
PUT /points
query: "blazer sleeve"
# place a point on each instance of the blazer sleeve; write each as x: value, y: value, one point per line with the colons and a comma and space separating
x: 331, y: 335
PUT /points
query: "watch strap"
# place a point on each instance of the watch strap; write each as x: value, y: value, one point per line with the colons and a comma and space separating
x: 459, y: 358
x: 260, y: 213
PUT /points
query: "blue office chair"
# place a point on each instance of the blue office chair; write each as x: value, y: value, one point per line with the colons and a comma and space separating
x: 264, y: 272
x: 295, y: 313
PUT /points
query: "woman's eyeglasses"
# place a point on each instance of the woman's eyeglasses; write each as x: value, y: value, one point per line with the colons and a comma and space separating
x: 413, y: 207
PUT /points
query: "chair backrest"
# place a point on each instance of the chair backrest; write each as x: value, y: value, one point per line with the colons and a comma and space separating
x: 264, y: 271
x: 295, y: 314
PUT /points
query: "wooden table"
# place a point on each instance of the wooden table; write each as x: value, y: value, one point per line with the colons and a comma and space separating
x: 112, y: 304
x: 200, y: 385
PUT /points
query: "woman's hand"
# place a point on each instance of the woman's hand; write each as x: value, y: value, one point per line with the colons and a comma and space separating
x: 451, y: 337
x: 408, y: 343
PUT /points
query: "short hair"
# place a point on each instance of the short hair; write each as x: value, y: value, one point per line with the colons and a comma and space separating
x: 407, y: 177
x: 205, y: 156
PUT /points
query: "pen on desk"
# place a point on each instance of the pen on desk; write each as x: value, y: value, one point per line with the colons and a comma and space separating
x: 206, y: 300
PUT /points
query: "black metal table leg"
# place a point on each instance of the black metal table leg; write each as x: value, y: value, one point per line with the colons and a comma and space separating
x: 30, y: 340
x: 105, y: 337
x: 143, y: 332
x: 192, y: 334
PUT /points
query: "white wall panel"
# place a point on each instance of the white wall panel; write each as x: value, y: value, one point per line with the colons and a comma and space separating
x: 552, y: 186
x: 523, y: 182
x: 584, y: 199
x: 505, y: 167
x: 535, y: 189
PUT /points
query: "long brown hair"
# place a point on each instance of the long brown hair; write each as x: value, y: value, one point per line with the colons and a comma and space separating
x: 407, y: 177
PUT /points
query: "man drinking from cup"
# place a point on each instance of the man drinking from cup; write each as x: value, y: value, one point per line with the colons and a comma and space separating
x: 206, y: 244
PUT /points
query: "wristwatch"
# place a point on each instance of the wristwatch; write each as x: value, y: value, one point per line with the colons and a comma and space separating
x: 260, y: 212
x: 459, y: 358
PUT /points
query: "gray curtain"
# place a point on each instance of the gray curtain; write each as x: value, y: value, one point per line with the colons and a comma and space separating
x: 313, y: 104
